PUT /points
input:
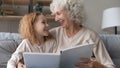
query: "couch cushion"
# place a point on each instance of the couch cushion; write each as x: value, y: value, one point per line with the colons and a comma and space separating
x: 112, y: 43
x: 7, y: 35
x: 7, y: 47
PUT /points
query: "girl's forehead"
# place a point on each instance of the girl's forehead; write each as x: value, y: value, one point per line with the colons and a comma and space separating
x: 41, y: 17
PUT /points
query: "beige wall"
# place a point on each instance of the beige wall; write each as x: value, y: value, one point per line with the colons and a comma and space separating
x: 93, y: 8
x: 11, y: 25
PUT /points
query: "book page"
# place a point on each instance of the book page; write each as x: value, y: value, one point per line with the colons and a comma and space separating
x: 70, y: 56
x: 41, y: 60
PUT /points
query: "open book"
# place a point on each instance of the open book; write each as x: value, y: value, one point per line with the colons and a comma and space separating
x: 66, y: 59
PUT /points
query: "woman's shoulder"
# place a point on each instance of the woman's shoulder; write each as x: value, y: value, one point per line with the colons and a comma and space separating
x: 89, y: 31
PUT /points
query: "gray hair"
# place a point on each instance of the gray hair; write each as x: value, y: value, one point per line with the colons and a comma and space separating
x: 74, y: 9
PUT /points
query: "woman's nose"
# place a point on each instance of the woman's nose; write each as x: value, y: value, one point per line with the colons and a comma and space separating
x: 56, y: 18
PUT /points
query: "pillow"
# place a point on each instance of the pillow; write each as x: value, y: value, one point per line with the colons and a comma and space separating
x: 7, y: 35
x: 7, y: 47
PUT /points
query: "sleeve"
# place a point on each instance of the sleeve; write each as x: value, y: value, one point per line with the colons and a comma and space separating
x: 101, y: 53
x: 17, y: 55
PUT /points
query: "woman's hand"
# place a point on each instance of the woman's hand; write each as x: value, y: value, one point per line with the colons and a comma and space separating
x: 85, y: 63
x: 88, y: 63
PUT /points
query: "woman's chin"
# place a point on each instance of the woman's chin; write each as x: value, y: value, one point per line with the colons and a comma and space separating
x: 63, y: 26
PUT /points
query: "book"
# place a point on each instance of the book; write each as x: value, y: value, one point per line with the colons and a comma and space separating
x: 67, y: 58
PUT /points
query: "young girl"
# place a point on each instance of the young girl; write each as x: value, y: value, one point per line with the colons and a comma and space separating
x: 36, y: 38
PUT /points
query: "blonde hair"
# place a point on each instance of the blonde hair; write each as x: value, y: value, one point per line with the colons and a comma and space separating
x: 74, y: 9
x: 26, y: 28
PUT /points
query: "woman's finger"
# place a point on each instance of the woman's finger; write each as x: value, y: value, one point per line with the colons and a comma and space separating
x: 82, y: 65
x: 87, y: 60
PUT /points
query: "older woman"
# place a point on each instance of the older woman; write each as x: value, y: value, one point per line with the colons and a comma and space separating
x: 70, y: 14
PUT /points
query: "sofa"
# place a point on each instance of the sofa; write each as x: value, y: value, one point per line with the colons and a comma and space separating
x: 10, y: 41
x: 8, y: 44
x: 112, y: 44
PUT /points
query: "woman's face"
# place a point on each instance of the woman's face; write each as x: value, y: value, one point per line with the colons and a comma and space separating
x: 41, y: 26
x: 61, y: 17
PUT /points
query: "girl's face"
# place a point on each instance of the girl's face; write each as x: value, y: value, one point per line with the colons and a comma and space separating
x: 41, y: 26
x: 61, y: 17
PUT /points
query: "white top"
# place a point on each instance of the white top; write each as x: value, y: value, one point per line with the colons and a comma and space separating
x: 84, y: 36
x: 25, y: 46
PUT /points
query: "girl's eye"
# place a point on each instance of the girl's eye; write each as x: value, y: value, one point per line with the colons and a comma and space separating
x: 43, y: 22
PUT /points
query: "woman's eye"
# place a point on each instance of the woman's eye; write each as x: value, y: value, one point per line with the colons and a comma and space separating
x: 58, y: 13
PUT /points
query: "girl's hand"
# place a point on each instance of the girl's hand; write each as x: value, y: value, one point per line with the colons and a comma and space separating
x: 88, y: 63
x: 20, y: 65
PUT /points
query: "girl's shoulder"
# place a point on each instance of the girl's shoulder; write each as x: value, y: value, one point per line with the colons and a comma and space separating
x: 25, y: 41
